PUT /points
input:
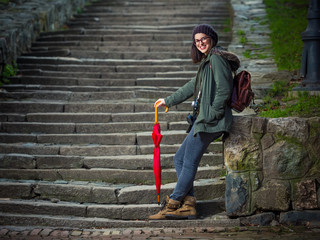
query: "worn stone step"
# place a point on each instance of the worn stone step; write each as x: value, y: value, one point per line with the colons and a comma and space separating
x: 75, y: 81
x: 77, y: 150
x: 68, y: 95
x: 143, y: 161
x: 91, y: 149
x: 115, y: 176
x: 93, y: 117
x: 113, y: 37
x: 218, y: 220
x: 60, y: 61
x: 78, y: 128
x: 80, y: 107
x: 111, y: 211
x: 100, y: 192
x: 140, y: 138
x: 105, y: 68
x: 115, y: 55
x: 131, y: 162
x: 37, y: 71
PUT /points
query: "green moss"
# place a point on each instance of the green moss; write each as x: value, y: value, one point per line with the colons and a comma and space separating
x: 249, y: 161
x: 290, y: 140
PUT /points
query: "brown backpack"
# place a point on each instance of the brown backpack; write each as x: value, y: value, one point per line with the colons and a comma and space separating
x: 242, y: 94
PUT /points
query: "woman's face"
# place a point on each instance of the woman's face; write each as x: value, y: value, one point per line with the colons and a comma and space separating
x: 203, y: 43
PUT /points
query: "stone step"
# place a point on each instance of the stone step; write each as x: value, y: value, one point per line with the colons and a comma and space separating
x: 115, y: 176
x: 139, y: 79
x: 105, y: 193
x: 93, y: 117
x: 140, y: 138
x: 81, y: 107
x: 108, y: 37
x: 146, y: 91
x: 113, y: 49
x: 130, y: 162
x: 67, y: 95
x: 91, y: 149
x: 35, y: 128
x: 217, y: 220
x: 77, y: 69
x: 115, y: 55
x: 87, y: 211
x: 60, y: 61
x: 78, y: 128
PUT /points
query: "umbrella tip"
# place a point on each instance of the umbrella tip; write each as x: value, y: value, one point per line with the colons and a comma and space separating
x: 158, y: 199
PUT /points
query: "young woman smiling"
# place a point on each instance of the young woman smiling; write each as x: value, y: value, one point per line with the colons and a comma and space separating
x: 212, y: 86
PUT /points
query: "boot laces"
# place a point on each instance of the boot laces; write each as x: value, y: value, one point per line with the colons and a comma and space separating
x: 163, y: 204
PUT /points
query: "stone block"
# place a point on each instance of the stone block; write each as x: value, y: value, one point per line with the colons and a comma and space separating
x: 263, y: 219
x: 306, y: 195
x: 238, y: 194
x: 65, y: 162
x: 64, y: 192
x: 94, y: 150
x: 274, y: 196
x: 242, y: 153
x: 130, y: 212
x: 15, y: 190
x: 17, y: 161
x: 104, y: 211
x: 241, y: 126
x: 300, y: 217
x: 104, y: 195
x: 285, y: 160
x: 267, y: 141
x: 293, y: 128
x: 259, y: 125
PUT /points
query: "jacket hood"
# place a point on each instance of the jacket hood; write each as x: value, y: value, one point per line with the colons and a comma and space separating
x: 230, y: 57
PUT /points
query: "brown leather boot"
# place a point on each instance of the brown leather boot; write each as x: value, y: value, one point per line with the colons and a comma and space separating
x: 187, y: 210
x: 169, y: 206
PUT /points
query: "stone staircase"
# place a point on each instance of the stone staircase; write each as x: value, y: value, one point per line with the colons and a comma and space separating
x: 76, y: 122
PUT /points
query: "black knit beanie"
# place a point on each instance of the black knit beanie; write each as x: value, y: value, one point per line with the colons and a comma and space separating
x: 207, y: 30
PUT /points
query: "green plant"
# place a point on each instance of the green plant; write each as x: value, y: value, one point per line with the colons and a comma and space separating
x: 287, y: 20
x: 8, y: 71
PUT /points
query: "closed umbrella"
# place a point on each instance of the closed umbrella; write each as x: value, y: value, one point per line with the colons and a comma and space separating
x: 156, y: 136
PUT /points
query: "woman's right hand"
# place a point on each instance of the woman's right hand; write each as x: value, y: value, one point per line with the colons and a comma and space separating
x: 160, y: 102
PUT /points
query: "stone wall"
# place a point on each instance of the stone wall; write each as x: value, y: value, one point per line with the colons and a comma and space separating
x: 273, y: 165
x: 22, y: 21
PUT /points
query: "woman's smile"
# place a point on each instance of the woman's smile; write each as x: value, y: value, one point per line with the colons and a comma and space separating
x: 203, y: 43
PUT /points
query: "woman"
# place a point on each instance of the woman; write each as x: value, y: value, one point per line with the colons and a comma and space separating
x: 213, y: 85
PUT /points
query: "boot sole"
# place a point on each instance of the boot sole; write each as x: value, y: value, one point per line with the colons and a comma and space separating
x: 175, y: 217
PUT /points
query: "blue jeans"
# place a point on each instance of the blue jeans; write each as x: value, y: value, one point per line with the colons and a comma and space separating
x: 187, y: 160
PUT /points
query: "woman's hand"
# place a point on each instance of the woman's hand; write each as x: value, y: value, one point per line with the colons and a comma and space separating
x: 160, y: 102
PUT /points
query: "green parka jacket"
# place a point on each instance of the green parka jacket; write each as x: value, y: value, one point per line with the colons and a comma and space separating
x: 215, y: 114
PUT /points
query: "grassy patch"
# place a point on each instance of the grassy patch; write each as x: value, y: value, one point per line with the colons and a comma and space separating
x: 287, y: 20
x: 280, y: 103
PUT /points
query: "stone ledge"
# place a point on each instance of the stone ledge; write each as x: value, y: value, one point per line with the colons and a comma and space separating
x: 22, y: 23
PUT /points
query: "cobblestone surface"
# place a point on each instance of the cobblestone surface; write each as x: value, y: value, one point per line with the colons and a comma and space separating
x: 277, y: 232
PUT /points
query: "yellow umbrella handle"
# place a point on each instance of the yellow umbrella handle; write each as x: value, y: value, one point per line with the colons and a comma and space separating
x: 156, y: 114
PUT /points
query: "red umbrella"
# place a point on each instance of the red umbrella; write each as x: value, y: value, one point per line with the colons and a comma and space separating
x: 156, y: 136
